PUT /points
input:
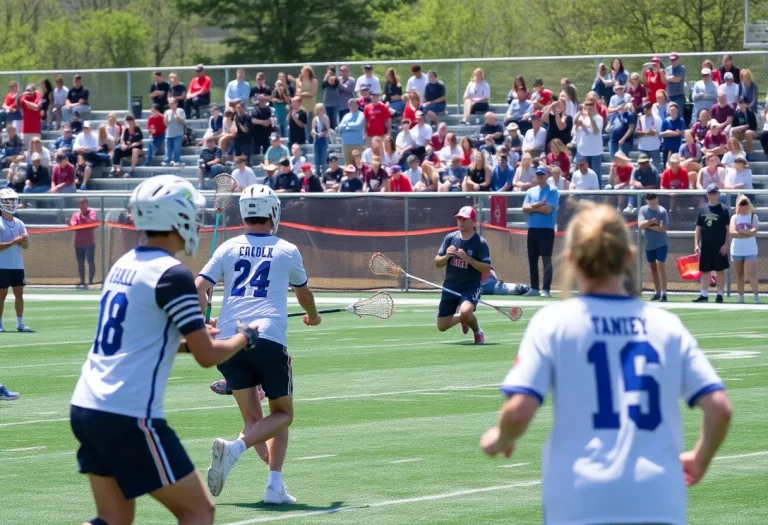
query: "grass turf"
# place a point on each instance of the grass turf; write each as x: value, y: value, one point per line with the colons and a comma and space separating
x: 388, y: 417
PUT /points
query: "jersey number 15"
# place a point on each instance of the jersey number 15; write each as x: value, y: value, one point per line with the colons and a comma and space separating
x: 259, y: 281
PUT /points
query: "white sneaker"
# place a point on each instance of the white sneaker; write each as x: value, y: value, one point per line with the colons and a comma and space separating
x: 221, y: 462
x: 545, y: 293
x: 23, y: 328
x: 533, y: 292
x: 740, y: 299
x: 629, y: 209
x: 2, y: 329
x: 278, y: 496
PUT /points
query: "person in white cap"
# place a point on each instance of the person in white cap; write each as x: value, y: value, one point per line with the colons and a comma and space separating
x: 704, y: 93
x: 731, y: 88
x: 466, y: 257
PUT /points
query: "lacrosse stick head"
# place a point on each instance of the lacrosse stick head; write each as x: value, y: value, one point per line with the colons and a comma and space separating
x: 381, y: 265
x: 513, y: 313
x: 380, y: 305
x: 225, y: 187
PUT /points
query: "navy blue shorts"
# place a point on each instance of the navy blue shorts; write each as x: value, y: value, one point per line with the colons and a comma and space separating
x: 268, y: 365
x: 143, y: 455
x: 658, y: 254
x: 12, y: 279
x: 450, y: 303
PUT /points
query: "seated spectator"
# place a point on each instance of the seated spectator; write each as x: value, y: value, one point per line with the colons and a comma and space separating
x: 77, y: 100
x: 467, y: 152
x: 690, y: 155
x: 297, y: 159
x: 450, y: 149
x: 502, y: 175
x: 712, y: 173
x: 350, y: 184
x: 438, y: 137
x: 647, y: 131
x: 731, y: 88
x: 513, y: 140
x: 422, y: 135
x: 376, y: 150
x: 131, y: 147
x: 645, y: 175
x: 722, y: 112
x: 434, y: 97
x: 478, y: 175
x: 393, y: 93
x: 744, y: 125
x: 199, y: 93
x: 418, y: 81
x: 105, y: 146
x: 488, y: 150
x: 492, y: 128
x: 389, y: 156
x: 36, y: 146
x: 675, y: 177
x: 413, y: 171
x: 704, y: 92
x: 617, y: 102
x: 430, y: 178
x: 701, y: 126
x: 637, y: 92
x: 286, y: 180
x: 535, y: 138
x: 660, y: 106
x: 405, y: 142
x: 333, y: 176
x: 453, y: 176
x: 215, y: 124
x: 749, y: 89
x: 519, y: 89
x: 412, y: 105
x: 622, y: 129
x: 237, y: 89
x: 159, y: 91
x: 38, y: 177
x: 76, y: 123
x: 375, y: 177
x: 270, y: 174
x: 357, y: 162
x: 734, y: 150
x: 31, y: 121
x: 114, y: 128
x: 671, y: 134
x: 559, y: 124
x: 83, y: 172
x: 229, y: 132
x: 559, y: 156
x: 430, y: 155
x: 525, y: 174
x: 520, y: 111
x: 740, y: 176
x: 764, y: 132
x: 557, y: 179
x: 13, y: 148
x: 276, y: 151
x: 619, y: 179
x: 541, y: 97
x: 178, y: 89
x: 310, y: 182
x: 401, y: 183
x: 476, y: 96
x: 156, y: 127
x: 63, y: 176
x: 87, y: 145
x: 10, y: 112
x: 60, y: 92
x: 210, y: 163
x: 599, y: 85
x: 716, y: 141
x: 64, y: 144
x: 584, y: 178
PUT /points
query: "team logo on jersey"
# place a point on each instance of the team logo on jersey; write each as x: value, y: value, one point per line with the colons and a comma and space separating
x: 469, y: 252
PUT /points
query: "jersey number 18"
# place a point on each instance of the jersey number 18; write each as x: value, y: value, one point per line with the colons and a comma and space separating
x: 109, y: 333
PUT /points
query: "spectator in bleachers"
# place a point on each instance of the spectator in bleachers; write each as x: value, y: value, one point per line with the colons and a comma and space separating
x: 647, y: 132
x: 178, y: 89
x: 296, y: 158
x: 439, y: 136
x: 199, y: 92
x: 622, y: 129
x: 64, y: 145
x: 502, y: 175
x: 333, y: 176
x: 87, y: 145
x: 450, y: 149
x: 524, y: 174
x: 743, y: 229
x: 540, y: 207
x: 655, y: 78
x: 262, y: 124
x: 210, y: 162
x: 675, y: 177
x: 36, y: 146
x: 716, y: 140
x: 105, y: 146
x: 731, y: 89
x: 619, y: 77
x: 701, y: 126
x: 114, y: 128
x: 159, y: 91
x: 331, y: 96
x: 131, y: 147
x: 321, y: 127
x: 298, y: 121
x: 601, y: 109
x: 637, y: 92
x: 653, y: 220
x: 260, y: 87
x: 310, y: 182
x: 270, y: 174
x: 351, y: 183
x: 389, y: 156
x: 477, y: 95
x: 672, y: 130
x: 417, y: 82
x: 584, y: 178
x: 704, y: 92
x: 352, y: 130
x: 77, y: 99
x: 276, y: 151
x: 749, y: 89
x: 660, y: 106
x: 722, y: 111
x: 63, y: 176
x: 740, y: 176
x: 365, y: 97
x: 434, y: 97
x: 616, y: 106
x: 376, y: 149
x: 513, y: 141
x: 599, y: 84
x: 453, y: 176
x: 588, y: 128
x: 572, y: 101
x: 413, y: 172
x: 60, y: 92
x: 676, y: 80
x: 535, y: 139
x: 242, y: 127
x: 619, y: 179
x: 467, y: 152
x: 10, y: 112
x: 243, y: 175
x: 520, y: 111
x: 286, y: 180
x: 378, y: 119
x: 557, y: 180
x: 13, y: 147
x: 405, y: 142
x: 744, y: 127
x: 412, y: 105
x: 46, y: 104
x: 306, y: 90
x: 83, y: 172
x: 729, y: 67
x: 559, y: 124
x: 76, y: 123
x: 488, y: 150
x: 215, y: 127
x: 645, y: 175
x: 541, y: 97
x: 492, y: 128
x: 29, y: 105
x: 85, y: 240
x: 346, y: 91
x: 175, y: 119
x: 690, y: 155
x: 712, y: 173
x: 559, y: 156
x: 430, y: 178
x: 375, y: 177
x: 227, y: 135
x: 368, y: 80
x: 238, y: 89
x: 478, y: 175
x: 38, y: 177
x: 400, y: 183
x: 717, y: 78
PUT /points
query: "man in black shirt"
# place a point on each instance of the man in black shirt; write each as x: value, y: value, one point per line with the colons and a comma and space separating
x: 434, y: 97
x: 243, y: 125
x: 491, y: 128
x: 712, y: 231
x: 286, y: 181
x: 77, y: 99
x: 209, y: 164
x: 333, y: 175
x: 263, y: 121
x: 744, y: 125
x: 178, y: 89
x: 158, y: 92
x: 260, y: 88
x: 310, y: 182
x: 559, y: 124
x: 350, y: 184
x: 297, y: 121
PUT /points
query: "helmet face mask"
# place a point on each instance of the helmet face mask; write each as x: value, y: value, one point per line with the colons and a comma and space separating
x: 9, y: 200
x: 261, y: 201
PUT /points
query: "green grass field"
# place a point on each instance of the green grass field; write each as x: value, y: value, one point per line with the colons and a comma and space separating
x: 388, y: 417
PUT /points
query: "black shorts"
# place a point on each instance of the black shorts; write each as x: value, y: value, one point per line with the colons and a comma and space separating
x: 143, y: 455
x: 711, y: 260
x: 11, y: 279
x: 450, y: 303
x: 479, y: 107
x: 268, y: 365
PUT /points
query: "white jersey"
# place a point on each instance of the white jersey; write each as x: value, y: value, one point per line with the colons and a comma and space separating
x: 149, y: 301
x: 257, y: 271
x: 616, y: 367
x: 11, y: 258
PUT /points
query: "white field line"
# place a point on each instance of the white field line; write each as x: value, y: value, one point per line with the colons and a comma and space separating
x: 513, y: 465
x: 23, y: 449
x: 740, y: 456
x: 410, y: 460
x: 321, y: 456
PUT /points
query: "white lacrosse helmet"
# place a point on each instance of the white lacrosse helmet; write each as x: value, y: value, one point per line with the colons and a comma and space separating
x: 169, y: 203
x: 258, y: 200
x: 9, y: 200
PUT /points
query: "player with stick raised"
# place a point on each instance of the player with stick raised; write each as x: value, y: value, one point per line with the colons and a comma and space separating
x: 466, y: 257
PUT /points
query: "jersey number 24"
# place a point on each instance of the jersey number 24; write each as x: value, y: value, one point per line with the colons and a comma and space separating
x: 259, y: 281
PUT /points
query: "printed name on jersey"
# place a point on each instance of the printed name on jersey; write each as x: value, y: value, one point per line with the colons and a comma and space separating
x: 619, y: 326
x: 256, y: 251
x: 124, y: 276
x: 458, y: 263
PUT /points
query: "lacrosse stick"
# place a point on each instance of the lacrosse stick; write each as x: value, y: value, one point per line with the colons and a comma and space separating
x: 380, y: 305
x: 381, y: 265
x: 225, y: 186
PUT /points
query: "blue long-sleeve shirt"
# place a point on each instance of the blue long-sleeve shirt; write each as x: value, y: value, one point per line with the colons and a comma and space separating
x: 352, y: 128
x: 708, y: 93
x: 237, y: 91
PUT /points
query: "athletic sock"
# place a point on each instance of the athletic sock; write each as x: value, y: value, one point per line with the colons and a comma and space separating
x: 275, y: 479
x: 719, y: 293
x: 237, y: 447
x: 705, y: 293
x: 19, y: 321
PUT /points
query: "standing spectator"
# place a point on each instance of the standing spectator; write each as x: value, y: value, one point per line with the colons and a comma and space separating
x: 262, y: 124
x: 645, y: 176
x: 393, y: 92
x: 276, y: 151
x: 749, y: 89
x: 174, y: 119
x: 619, y: 179
x: 636, y: 90
x: 131, y: 146
x: 520, y: 111
x: 261, y: 88
x: 502, y: 175
x: 306, y: 88
x: 368, y: 80
x: 199, y: 93
x: 159, y: 91
x: 711, y: 242
x: 375, y: 177
x: 60, y: 92
x: 717, y: 78
x: 346, y: 91
x: 10, y: 112
x: 653, y: 221
x: 64, y: 145
x: 331, y: 96
x: 478, y: 175
x: 571, y: 101
x: 716, y: 141
x: 619, y: 77
x: 655, y: 78
x: 743, y: 229
x: 378, y: 120
x: 691, y: 154
x: 31, y: 122
x: 333, y: 176
x: 286, y: 181
x: 704, y: 92
x: 281, y: 101
x: 672, y: 130
x: 540, y: 206
x: 243, y: 175
x: 242, y: 127
x: 352, y: 130
x: 589, y: 137
x: 559, y: 124
x: 584, y: 178
x: 209, y: 164
x: 731, y: 89
x: 77, y: 99
x: 728, y: 67
x: 63, y: 178
x: 535, y: 139
x: 541, y: 97
x: 228, y: 135
x: 744, y: 127
x: 178, y: 89
x: 321, y: 127
x: 297, y: 122
x: 647, y: 132
x: 617, y: 103
x: 722, y: 111
x: 676, y: 81
x: 434, y: 97
x: 623, y: 126
x: 417, y: 82
x: 46, y: 104
x: 350, y: 184
x: 237, y: 89
x: 402, y: 184
x: 38, y: 177
x: 85, y: 240
x: 476, y: 96
x: 599, y: 86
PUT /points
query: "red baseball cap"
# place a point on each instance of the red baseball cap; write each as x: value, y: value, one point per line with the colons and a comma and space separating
x: 467, y: 212
x: 656, y: 59
x: 306, y: 167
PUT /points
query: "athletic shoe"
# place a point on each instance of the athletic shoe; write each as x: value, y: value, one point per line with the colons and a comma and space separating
x: 719, y: 299
x: 2, y: 329
x: 164, y: 164
x: 7, y: 395
x: 533, y: 292
x: 750, y: 158
x: 278, y: 496
x: 83, y: 187
x: 655, y: 297
x: 545, y: 293
x: 464, y: 328
x: 220, y: 387
x: 663, y: 298
x: 222, y: 461
x: 23, y: 328
x: 629, y: 209
x: 701, y: 299
x: 479, y: 338
x: 740, y: 299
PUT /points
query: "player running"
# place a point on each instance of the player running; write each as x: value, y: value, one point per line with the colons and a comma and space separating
x: 257, y: 269
x: 616, y: 367
x: 148, y: 304
x: 13, y: 238
x: 467, y: 257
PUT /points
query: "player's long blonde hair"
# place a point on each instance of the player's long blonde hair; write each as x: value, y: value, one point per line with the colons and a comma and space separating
x: 598, y: 246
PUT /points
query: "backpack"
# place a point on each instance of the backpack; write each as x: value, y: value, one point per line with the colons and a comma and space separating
x: 189, y: 137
